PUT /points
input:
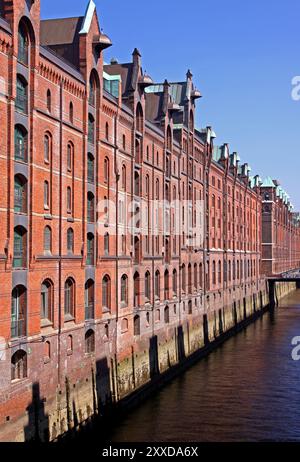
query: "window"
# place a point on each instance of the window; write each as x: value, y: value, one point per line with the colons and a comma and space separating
x: 69, y: 298
x: 136, y: 290
x: 106, y: 131
x: 90, y: 257
x: 139, y: 118
x: 91, y: 129
x: 46, y: 195
x: 174, y: 282
x: 19, y: 365
x: 47, y: 239
x: 20, y: 247
x: 136, y: 184
x: 147, y: 286
x: 23, y: 46
x: 124, y: 143
x: 48, y: 101
x: 20, y: 194
x: 124, y: 177
x: 136, y: 325
x: 157, y: 285
x: 70, y: 156
x: 166, y: 285
x: 167, y: 315
x: 195, y: 277
x: 21, y: 143
x: 106, y: 293
x: 89, y: 341
x: 47, y: 147
x: 22, y: 95
x: 89, y: 299
x: 106, y: 170
x: 18, y: 312
x: 90, y: 208
x: 70, y: 240
x: 69, y: 200
x: 214, y: 273
x: 92, y: 92
x: 124, y: 290
x: 183, y: 278
x: 106, y: 244
x: 47, y: 300
x: 90, y: 168
x: 71, y: 112
x: 219, y: 272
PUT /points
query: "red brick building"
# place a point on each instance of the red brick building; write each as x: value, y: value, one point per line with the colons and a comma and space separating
x: 128, y: 239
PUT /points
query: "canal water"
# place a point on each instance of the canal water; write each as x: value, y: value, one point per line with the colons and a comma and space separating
x: 246, y: 390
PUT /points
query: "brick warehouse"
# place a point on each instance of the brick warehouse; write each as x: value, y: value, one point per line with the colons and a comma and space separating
x: 94, y: 305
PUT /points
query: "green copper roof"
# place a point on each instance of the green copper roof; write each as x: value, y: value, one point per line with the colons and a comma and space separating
x: 268, y: 183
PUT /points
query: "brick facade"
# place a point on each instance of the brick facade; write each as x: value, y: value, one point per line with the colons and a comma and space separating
x: 92, y: 304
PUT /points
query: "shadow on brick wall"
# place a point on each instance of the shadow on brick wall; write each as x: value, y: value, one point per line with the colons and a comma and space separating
x: 37, y: 428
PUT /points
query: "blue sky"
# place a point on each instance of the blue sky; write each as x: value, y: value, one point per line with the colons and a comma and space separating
x: 243, y: 56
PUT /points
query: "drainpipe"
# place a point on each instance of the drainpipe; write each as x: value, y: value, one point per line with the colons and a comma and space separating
x: 117, y: 175
x: 60, y: 234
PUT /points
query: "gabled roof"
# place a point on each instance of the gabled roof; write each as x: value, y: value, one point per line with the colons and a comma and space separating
x: 88, y: 18
x: 268, y: 183
x: 60, y: 31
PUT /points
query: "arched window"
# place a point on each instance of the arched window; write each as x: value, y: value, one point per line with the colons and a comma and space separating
x: 69, y: 200
x: 157, y: 315
x: 71, y: 112
x: 106, y: 293
x: 124, y: 142
x: 190, y: 278
x: 147, y: 318
x: 47, y: 351
x: 46, y: 195
x: 18, y: 312
x: 157, y: 285
x: 47, y: 147
x: 89, y: 341
x: 90, y: 255
x: 106, y: 170
x: 70, y: 240
x: 139, y: 118
x: 157, y: 189
x: 106, y: 244
x: 169, y: 139
x: 219, y: 272
x: 22, y: 95
x: 124, y: 325
x: 123, y: 177
x: 90, y: 207
x: 195, y: 276
x: 19, y: 365
x: 214, y: 273
x: 47, y: 300
x: 90, y: 168
x: 147, y: 186
x: 201, y: 275
x: 70, y: 298
x: 70, y: 156
x: 92, y: 91
x: 137, y: 151
x: 21, y: 143
x: 166, y: 278
x: 124, y: 290
x: 136, y: 290
x: 47, y: 239
x: 20, y: 247
x: 167, y: 315
x: 174, y: 282
x: 20, y: 194
x: 183, y: 278
x: 23, y: 45
x: 48, y: 100
x: 147, y: 286
x: 91, y: 129
x: 136, y: 184
x: 89, y: 299
x: 136, y: 325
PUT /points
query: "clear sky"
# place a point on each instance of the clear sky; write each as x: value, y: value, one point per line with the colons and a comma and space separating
x: 243, y: 55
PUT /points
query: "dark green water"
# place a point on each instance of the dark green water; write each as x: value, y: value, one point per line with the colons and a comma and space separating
x: 247, y: 390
